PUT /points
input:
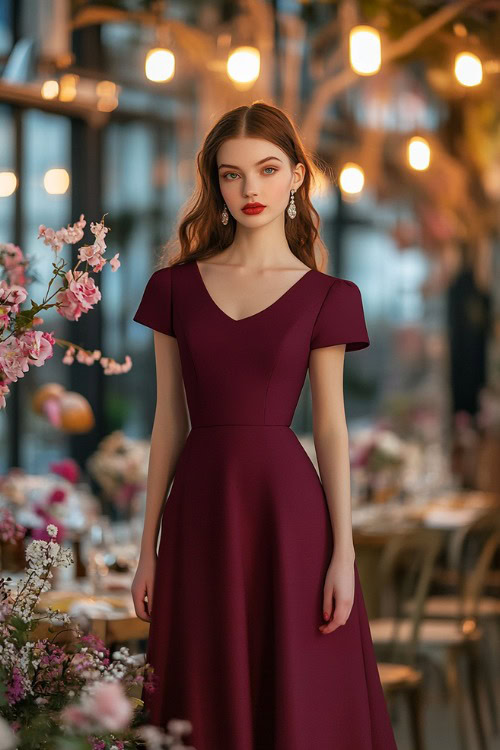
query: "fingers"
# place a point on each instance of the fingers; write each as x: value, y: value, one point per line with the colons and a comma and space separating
x: 340, y: 616
x: 140, y: 605
x: 149, y: 590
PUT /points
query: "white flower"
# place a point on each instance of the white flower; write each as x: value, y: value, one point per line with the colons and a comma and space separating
x: 54, y: 548
x: 52, y: 529
x: 7, y: 737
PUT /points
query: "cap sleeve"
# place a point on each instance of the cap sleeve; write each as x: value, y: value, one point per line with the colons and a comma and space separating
x: 341, y: 318
x: 155, y: 309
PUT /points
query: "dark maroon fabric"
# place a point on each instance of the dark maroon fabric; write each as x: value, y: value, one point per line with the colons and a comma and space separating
x: 246, y: 536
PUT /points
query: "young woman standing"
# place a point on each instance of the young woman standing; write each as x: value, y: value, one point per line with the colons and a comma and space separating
x: 259, y: 634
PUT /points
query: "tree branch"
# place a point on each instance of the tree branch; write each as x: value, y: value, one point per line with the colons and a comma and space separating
x: 325, y: 92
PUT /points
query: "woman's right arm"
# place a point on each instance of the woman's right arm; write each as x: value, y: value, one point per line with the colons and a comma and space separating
x: 169, y: 433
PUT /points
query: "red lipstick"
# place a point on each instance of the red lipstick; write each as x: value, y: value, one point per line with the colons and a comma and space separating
x: 253, y: 208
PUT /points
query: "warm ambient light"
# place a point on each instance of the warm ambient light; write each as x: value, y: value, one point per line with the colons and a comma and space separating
x: 107, y: 92
x: 243, y: 65
x: 352, y: 179
x: 160, y: 65
x: 419, y: 153
x: 68, y: 86
x: 365, y: 51
x: 50, y: 89
x: 468, y: 69
x: 56, y: 181
x: 8, y: 183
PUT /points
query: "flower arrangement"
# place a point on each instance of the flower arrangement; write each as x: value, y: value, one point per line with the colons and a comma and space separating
x: 119, y: 465
x: 37, y: 500
x: 21, y: 346
x: 380, y: 455
x: 70, y: 694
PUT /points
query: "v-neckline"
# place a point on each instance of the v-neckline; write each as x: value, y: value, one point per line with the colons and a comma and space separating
x: 253, y: 315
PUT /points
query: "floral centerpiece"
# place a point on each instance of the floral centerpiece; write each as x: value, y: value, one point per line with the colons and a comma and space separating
x: 66, y: 691
x: 119, y: 465
x: 36, y: 500
x: 381, y: 455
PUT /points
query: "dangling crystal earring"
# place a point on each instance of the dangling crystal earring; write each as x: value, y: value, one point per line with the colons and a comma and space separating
x: 224, y: 215
x: 291, y: 210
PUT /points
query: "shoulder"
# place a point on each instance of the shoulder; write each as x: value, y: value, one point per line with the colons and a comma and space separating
x: 335, y: 285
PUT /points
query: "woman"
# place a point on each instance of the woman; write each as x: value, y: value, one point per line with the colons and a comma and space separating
x: 259, y: 634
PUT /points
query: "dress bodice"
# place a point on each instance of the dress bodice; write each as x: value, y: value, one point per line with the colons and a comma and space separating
x: 265, y: 355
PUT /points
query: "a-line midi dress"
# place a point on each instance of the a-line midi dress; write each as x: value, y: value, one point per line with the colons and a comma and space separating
x: 246, y: 537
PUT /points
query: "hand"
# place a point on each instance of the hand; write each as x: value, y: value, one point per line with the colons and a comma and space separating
x: 142, y: 587
x: 339, y: 584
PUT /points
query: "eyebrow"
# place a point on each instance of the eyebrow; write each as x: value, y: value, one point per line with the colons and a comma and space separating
x: 233, y: 166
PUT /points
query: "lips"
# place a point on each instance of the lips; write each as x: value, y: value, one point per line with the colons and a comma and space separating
x: 253, y: 208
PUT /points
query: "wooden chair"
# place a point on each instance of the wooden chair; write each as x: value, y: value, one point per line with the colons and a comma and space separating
x: 399, y: 675
x: 471, y: 551
x: 405, y: 572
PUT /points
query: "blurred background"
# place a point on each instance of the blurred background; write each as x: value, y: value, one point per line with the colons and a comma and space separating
x: 103, y: 106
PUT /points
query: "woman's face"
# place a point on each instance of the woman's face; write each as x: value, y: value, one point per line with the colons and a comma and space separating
x: 253, y: 170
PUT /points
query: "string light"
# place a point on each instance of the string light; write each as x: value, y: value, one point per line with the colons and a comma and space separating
x: 352, y: 178
x: 8, y: 183
x: 50, y: 89
x: 160, y: 65
x: 468, y: 69
x: 365, y: 51
x: 56, y: 181
x: 243, y: 65
x: 419, y: 153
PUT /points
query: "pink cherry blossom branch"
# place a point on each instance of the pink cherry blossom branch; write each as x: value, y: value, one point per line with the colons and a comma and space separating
x: 20, y: 345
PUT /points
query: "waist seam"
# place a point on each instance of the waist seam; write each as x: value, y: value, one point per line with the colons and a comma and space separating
x: 237, y: 424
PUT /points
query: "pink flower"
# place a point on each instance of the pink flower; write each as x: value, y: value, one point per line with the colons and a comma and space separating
x: 69, y: 356
x: 104, y: 707
x: 12, y: 296
x: 68, y: 236
x: 67, y: 468
x: 15, y: 688
x: 4, y: 390
x: 114, y: 262
x: 39, y: 345
x: 13, y: 358
x: 88, y: 253
x: 57, y: 496
x: 80, y: 296
x: 10, y: 530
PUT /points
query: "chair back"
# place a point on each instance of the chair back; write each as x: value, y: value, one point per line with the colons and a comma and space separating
x: 405, y: 573
x: 471, y: 553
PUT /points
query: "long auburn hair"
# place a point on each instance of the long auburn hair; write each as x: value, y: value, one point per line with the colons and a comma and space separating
x: 201, y: 233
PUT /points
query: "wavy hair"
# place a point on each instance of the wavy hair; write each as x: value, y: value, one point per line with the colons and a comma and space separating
x: 201, y: 234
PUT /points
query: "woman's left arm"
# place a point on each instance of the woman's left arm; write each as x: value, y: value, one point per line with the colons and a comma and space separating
x: 331, y: 440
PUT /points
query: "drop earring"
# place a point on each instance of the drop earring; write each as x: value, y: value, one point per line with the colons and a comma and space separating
x: 224, y: 215
x: 292, y: 210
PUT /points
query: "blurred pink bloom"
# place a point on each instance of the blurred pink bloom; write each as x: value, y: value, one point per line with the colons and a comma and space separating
x: 10, y: 530
x: 104, y: 707
x: 15, y: 688
x: 57, y: 496
x: 4, y: 390
x: 68, y: 468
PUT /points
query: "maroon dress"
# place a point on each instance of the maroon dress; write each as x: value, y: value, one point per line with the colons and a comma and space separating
x: 246, y: 535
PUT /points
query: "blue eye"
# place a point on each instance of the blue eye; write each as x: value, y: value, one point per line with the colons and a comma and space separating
x: 234, y: 173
